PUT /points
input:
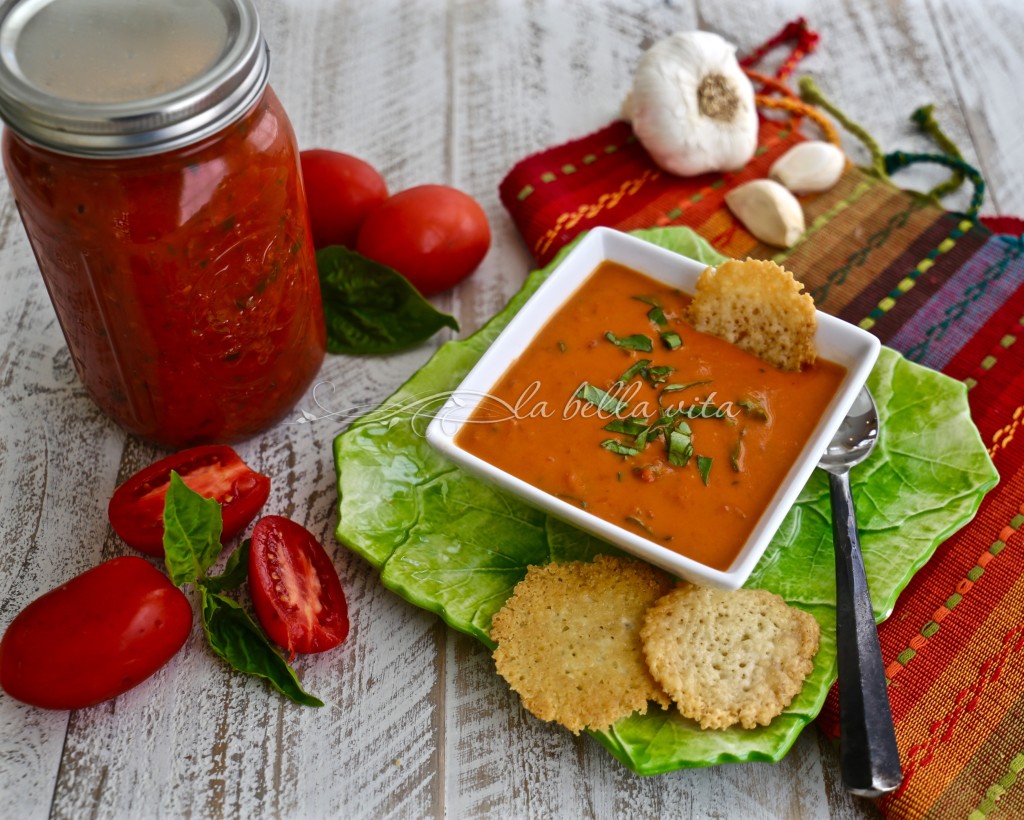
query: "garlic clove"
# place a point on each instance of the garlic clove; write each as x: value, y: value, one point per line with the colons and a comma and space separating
x: 809, y: 167
x: 768, y: 211
x: 627, y: 107
x: 691, y: 105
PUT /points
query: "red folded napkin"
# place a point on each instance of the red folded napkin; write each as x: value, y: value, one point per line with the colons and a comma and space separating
x: 945, y: 289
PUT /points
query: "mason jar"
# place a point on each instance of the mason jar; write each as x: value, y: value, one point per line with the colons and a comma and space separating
x: 157, y: 177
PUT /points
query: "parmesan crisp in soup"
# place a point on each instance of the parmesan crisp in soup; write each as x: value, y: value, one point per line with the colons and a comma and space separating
x: 621, y: 407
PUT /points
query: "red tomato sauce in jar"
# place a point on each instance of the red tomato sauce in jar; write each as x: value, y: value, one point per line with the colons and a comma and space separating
x: 185, y: 282
x: 158, y: 180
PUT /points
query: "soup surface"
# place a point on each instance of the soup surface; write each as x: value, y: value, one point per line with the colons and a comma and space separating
x: 620, y: 407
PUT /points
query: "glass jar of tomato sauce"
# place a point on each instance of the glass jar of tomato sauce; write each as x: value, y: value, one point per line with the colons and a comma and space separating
x: 158, y: 181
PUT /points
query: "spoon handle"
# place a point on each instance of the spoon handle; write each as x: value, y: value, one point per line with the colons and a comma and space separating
x: 869, y: 758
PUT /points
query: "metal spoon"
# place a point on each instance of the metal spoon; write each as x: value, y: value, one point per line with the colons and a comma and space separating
x: 869, y: 759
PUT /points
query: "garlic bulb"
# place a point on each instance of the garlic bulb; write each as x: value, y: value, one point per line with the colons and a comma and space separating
x: 808, y: 167
x: 691, y: 106
x: 768, y: 211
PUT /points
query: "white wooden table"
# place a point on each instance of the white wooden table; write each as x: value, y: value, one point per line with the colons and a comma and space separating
x: 418, y: 724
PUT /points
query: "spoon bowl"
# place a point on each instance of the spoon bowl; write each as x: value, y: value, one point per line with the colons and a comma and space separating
x: 855, y: 438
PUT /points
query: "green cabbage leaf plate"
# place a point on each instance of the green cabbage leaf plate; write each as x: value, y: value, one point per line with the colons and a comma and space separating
x: 454, y: 545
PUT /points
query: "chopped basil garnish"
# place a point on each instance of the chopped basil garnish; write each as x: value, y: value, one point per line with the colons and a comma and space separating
x: 654, y: 375
x: 754, y: 408
x: 637, y: 369
x: 632, y: 519
x: 635, y: 342
x: 671, y: 339
x: 704, y: 468
x: 659, y: 374
x: 736, y: 456
x: 644, y: 436
x: 600, y: 399
x: 672, y: 388
x: 631, y: 427
x: 619, y: 448
x: 662, y: 425
x: 657, y: 315
x: 680, y: 447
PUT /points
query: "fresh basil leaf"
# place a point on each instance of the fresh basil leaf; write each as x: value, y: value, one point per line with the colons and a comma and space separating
x: 635, y: 342
x: 236, y: 571
x: 234, y: 637
x: 619, y: 448
x: 370, y: 308
x: 671, y: 339
x: 704, y: 468
x: 192, y: 528
x: 600, y: 399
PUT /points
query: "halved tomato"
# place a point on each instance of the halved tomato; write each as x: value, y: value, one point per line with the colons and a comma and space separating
x: 215, y: 471
x: 295, y: 588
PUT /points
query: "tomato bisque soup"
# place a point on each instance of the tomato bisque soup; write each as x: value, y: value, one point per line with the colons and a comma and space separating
x: 620, y: 407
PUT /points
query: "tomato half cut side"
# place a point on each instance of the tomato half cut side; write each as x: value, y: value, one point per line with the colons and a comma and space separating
x: 295, y: 588
x: 100, y: 634
x: 136, y: 509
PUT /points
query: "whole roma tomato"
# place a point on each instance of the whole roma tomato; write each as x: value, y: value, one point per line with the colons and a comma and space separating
x: 340, y: 191
x: 435, y: 236
x: 295, y: 588
x: 216, y: 471
x: 94, y: 637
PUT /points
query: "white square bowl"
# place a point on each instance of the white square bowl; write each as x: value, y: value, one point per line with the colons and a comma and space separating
x: 836, y: 340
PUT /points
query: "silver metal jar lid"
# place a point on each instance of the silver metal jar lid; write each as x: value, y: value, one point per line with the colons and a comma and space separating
x: 121, y: 78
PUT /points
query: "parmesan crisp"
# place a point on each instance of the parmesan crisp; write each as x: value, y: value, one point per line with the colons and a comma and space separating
x: 569, y: 641
x: 759, y: 307
x: 729, y: 657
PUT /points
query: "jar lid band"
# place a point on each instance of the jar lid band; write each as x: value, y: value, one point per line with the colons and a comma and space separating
x: 121, y: 78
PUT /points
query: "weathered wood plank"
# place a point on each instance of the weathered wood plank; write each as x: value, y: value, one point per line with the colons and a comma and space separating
x: 982, y: 48
x: 58, y: 459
